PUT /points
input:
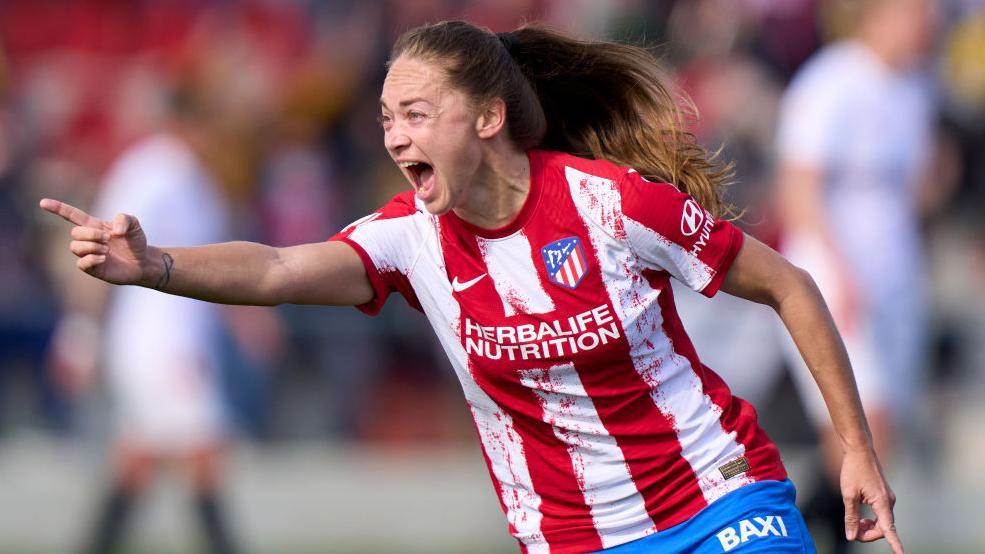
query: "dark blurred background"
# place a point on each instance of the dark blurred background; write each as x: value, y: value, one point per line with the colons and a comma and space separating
x: 349, y: 434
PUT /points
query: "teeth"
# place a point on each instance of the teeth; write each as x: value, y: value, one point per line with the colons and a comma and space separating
x: 408, y: 164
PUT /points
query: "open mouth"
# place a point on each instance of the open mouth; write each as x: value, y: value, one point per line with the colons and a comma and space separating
x: 421, y: 175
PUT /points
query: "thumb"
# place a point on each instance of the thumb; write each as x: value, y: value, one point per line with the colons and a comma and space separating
x: 123, y: 223
x: 851, y: 518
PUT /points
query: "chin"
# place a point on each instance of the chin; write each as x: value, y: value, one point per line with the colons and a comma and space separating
x: 435, y: 208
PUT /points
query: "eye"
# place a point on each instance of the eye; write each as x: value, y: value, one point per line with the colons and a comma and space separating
x: 416, y: 116
x: 384, y: 120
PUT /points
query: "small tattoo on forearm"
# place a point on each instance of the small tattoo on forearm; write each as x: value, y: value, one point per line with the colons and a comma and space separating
x: 168, y: 265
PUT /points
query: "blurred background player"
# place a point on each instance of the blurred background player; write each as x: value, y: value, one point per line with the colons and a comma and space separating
x: 855, y: 134
x: 163, y: 373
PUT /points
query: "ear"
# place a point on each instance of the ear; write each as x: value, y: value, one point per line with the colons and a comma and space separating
x: 491, y: 118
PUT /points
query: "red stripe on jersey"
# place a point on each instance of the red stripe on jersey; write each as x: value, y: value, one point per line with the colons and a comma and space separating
x: 567, y: 524
x: 738, y: 416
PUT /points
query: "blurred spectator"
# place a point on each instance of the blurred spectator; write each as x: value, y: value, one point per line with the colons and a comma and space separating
x: 855, y: 131
x: 963, y: 80
x: 27, y: 303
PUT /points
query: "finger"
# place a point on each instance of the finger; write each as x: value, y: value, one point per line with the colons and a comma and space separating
x: 91, y: 262
x: 84, y: 248
x: 89, y: 233
x: 892, y: 537
x: 122, y: 224
x: 851, y: 518
x: 887, y: 523
x: 66, y: 211
x: 868, y: 531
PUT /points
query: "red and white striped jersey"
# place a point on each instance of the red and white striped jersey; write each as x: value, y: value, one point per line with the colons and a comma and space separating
x: 598, y: 421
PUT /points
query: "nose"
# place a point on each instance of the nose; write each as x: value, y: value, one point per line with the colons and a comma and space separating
x: 396, y: 140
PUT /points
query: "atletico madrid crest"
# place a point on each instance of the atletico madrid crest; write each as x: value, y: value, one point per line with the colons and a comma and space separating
x: 565, y: 261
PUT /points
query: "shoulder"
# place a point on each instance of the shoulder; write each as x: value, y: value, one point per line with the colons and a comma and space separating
x: 834, y: 70
x: 563, y: 165
x: 401, y: 205
x: 401, y: 213
x: 588, y: 176
x: 152, y: 156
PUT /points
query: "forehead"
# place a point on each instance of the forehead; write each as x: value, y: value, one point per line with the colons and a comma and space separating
x: 413, y: 78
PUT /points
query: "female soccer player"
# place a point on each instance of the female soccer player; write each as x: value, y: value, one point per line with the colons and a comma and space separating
x: 539, y: 240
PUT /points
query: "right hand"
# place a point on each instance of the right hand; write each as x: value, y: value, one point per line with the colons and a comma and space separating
x: 114, y: 251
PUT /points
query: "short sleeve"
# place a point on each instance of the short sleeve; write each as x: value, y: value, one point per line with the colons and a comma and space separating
x: 669, y: 231
x: 383, y: 240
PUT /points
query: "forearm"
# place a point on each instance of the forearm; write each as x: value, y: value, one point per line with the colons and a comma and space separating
x: 809, y: 323
x: 226, y: 273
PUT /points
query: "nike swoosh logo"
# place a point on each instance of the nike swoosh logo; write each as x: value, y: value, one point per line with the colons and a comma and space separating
x: 459, y: 287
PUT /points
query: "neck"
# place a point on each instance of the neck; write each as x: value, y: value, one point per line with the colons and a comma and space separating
x: 883, y: 40
x: 882, y: 51
x: 499, y: 188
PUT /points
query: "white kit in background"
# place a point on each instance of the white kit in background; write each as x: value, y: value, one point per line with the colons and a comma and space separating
x: 160, y: 349
x: 868, y: 129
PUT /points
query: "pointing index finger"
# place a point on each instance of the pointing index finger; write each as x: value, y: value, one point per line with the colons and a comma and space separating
x: 66, y: 211
x: 885, y: 521
x: 893, y: 539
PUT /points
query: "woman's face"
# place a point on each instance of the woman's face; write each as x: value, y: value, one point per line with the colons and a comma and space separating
x: 430, y: 131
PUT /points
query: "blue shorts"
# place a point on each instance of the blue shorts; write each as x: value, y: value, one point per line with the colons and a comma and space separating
x: 761, y: 517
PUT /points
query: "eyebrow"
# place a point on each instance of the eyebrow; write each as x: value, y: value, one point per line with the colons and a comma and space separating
x: 409, y: 101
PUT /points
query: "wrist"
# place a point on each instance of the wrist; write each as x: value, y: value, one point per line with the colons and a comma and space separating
x: 154, y: 269
x: 857, y: 444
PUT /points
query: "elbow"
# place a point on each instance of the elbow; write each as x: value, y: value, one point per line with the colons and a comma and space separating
x: 271, y: 289
x: 795, y: 282
x: 802, y: 278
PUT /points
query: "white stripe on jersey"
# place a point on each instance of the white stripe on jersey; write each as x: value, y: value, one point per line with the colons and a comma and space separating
x: 674, y: 386
x: 500, y: 440
x: 506, y: 258
x: 663, y: 253
x: 616, y: 505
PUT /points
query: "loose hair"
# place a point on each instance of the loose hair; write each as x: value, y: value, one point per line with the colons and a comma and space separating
x: 598, y: 100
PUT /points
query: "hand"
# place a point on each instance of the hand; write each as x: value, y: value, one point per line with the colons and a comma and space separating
x: 115, y: 251
x: 862, y: 482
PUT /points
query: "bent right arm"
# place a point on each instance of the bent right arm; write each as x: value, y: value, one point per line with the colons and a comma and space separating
x: 329, y: 273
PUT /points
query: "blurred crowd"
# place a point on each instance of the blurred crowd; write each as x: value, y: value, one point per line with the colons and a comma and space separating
x: 278, y: 101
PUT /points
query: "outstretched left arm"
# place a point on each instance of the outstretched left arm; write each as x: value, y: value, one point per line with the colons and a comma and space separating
x: 764, y: 276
